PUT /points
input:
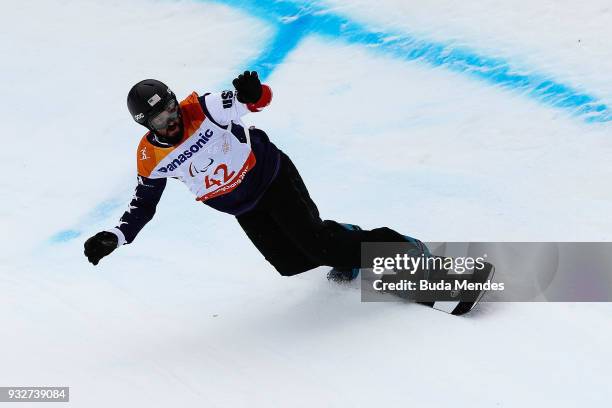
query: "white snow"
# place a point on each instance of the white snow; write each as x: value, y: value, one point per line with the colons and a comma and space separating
x: 191, y: 314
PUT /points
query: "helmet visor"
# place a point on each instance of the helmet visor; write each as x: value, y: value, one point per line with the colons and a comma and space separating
x: 170, y: 114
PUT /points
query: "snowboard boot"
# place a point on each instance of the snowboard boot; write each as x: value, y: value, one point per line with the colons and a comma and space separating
x: 340, y: 275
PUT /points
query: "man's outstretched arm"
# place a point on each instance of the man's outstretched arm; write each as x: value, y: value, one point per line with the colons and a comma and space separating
x: 140, y: 211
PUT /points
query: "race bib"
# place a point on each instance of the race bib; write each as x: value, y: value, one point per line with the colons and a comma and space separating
x: 211, y: 162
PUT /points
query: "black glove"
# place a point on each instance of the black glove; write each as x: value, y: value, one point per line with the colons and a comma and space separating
x: 248, y: 87
x: 100, y: 245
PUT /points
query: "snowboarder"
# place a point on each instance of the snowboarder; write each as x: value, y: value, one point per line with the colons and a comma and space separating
x: 236, y: 170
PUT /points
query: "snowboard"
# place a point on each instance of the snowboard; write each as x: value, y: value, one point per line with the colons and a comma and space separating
x: 454, y: 302
x: 465, y: 300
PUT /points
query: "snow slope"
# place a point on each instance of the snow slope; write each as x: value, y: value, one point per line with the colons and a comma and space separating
x: 190, y: 314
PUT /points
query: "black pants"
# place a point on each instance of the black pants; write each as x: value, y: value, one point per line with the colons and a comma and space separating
x: 286, y: 228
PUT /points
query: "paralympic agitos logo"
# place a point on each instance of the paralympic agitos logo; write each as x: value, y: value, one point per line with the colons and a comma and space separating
x: 188, y: 153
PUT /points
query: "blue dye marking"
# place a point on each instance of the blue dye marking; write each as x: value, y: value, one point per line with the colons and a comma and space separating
x: 64, y: 236
x: 100, y: 213
x: 293, y: 22
x: 285, y: 40
x: 103, y: 210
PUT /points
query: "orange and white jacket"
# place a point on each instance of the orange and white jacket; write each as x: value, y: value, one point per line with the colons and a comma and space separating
x: 225, y: 165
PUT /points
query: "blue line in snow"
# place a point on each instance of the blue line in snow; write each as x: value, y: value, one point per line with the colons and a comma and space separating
x: 98, y: 214
x: 294, y: 20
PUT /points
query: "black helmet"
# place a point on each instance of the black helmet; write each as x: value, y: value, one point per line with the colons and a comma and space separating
x: 147, y: 98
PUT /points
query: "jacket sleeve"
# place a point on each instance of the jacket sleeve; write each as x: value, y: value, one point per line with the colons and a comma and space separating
x: 141, y: 209
x: 223, y: 107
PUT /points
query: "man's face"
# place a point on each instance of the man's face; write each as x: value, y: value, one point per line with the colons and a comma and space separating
x: 167, y: 123
x: 172, y: 130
